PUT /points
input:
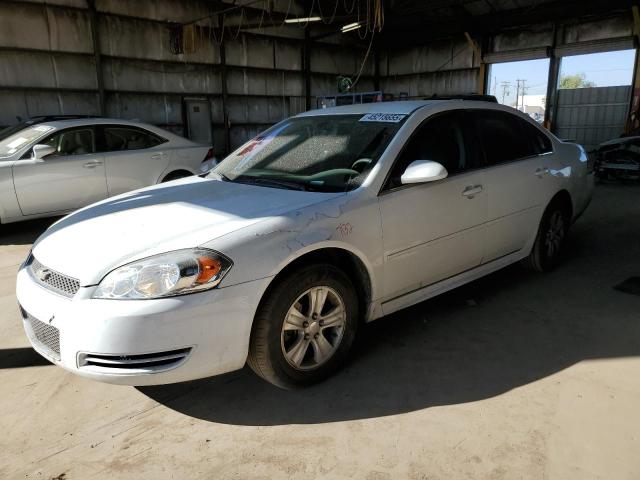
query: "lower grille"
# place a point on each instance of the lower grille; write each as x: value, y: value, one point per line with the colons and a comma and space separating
x: 45, y: 338
x: 142, y: 363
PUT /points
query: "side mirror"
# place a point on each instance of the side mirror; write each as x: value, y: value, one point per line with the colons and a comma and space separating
x: 423, y: 171
x: 41, y: 151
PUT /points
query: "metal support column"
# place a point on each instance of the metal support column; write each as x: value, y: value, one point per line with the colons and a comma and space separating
x: 376, y: 70
x: 95, y: 37
x: 482, y: 73
x: 306, y: 65
x: 223, y: 79
x: 553, y: 80
x: 633, y: 122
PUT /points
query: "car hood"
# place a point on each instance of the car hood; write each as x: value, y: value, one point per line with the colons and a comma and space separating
x: 186, y: 213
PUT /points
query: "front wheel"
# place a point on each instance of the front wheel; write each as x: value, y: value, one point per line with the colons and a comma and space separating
x: 551, y: 239
x: 304, y: 327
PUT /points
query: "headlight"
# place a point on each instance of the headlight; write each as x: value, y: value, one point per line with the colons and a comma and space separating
x: 165, y: 275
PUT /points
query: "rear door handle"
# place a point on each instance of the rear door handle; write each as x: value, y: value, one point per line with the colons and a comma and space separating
x: 471, y: 191
x: 92, y: 164
x: 156, y: 156
x: 540, y: 172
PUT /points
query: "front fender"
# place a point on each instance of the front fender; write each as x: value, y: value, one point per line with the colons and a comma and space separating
x: 9, y: 207
x: 264, y: 249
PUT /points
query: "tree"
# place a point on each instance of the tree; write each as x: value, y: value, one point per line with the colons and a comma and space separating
x: 579, y: 80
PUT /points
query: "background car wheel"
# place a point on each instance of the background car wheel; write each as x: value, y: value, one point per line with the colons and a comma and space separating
x: 548, y: 248
x: 304, y: 327
x: 176, y: 175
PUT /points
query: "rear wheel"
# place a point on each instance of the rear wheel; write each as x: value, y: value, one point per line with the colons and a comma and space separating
x: 304, y: 327
x: 550, y: 242
x: 176, y: 175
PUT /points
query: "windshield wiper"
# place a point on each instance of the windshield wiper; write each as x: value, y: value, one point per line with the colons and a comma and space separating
x: 276, y: 182
x: 221, y: 175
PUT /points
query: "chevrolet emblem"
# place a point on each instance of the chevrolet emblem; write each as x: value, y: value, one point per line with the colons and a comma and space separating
x: 44, y: 274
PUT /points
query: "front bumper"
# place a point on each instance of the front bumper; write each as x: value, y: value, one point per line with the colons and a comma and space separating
x: 141, y: 342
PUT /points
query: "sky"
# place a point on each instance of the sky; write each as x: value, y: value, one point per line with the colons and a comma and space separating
x: 605, y: 69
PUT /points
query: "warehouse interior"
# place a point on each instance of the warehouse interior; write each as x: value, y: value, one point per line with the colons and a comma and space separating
x: 245, y: 67
x: 512, y: 376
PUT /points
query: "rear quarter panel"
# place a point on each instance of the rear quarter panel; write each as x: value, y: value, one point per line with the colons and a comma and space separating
x: 578, y: 180
x: 186, y: 158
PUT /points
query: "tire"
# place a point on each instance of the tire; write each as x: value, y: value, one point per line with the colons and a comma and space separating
x: 176, y: 176
x: 549, y: 247
x: 300, y: 355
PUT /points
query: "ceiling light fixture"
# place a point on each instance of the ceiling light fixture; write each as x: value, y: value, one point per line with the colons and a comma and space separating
x: 351, y: 26
x: 302, y: 20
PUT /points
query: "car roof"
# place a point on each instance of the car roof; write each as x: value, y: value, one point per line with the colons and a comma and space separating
x: 78, y: 122
x: 401, y: 107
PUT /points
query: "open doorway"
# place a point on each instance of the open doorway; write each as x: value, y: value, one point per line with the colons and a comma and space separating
x: 608, y: 69
x: 521, y: 85
x: 594, y: 94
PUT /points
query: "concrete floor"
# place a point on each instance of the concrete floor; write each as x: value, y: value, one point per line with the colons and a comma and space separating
x: 518, y: 375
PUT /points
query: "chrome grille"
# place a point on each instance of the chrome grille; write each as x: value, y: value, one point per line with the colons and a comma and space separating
x: 53, y: 280
x: 46, y: 338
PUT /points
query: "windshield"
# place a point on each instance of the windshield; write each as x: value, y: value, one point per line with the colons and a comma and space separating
x: 15, y: 142
x: 327, y: 153
x: 5, y: 132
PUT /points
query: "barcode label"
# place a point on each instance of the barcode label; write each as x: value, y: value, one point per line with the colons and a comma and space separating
x: 383, y: 117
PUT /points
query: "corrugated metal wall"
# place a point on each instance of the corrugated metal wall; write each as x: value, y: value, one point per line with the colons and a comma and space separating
x: 443, y: 67
x: 48, y: 65
x: 591, y: 116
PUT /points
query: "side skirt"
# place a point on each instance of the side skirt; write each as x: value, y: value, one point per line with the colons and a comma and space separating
x: 443, y: 286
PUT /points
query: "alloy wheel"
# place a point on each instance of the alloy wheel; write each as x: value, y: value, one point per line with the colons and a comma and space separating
x: 555, y: 234
x: 313, y: 328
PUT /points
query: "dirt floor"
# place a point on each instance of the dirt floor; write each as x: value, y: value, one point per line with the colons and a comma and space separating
x: 516, y: 376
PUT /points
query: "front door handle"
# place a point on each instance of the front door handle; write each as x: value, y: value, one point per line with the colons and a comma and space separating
x: 471, y: 191
x: 542, y: 171
x: 92, y: 164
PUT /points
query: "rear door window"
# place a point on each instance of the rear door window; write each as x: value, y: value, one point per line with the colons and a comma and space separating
x: 537, y: 138
x: 502, y: 137
x: 119, y: 138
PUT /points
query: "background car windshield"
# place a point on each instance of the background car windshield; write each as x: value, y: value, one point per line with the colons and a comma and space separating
x: 15, y: 142
x: 322, y: 153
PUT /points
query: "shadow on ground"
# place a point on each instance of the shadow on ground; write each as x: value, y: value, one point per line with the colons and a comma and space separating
x: 478, y: 341
x: 21, y: 357
x: 24, y: 233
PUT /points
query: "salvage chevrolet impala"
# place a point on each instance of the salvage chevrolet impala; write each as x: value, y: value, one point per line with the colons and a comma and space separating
x: 276, y: 256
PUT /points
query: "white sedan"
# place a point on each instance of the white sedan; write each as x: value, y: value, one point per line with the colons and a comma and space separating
x: 52, y: 168
x: 274, y: 258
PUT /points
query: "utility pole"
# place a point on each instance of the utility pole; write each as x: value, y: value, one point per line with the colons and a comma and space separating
x: 505, y: 90
x: 495, y: 85
x: 521, y: 91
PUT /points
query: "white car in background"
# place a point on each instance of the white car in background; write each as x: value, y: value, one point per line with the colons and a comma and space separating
x: 55, y: 167
x: 275, y: 257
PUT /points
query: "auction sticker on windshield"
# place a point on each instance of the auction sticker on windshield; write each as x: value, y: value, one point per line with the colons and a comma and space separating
x: 383, y: 117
